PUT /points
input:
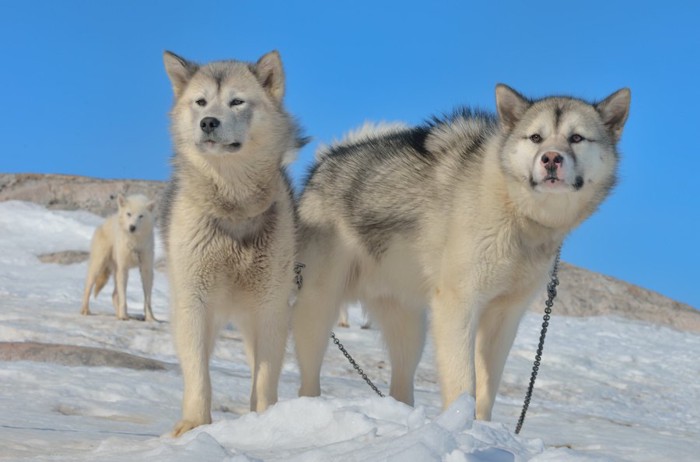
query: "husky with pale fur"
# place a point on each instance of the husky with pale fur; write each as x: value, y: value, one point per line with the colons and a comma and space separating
x: 228, y: 222
x: 460, y: 218
x: 124, y: 241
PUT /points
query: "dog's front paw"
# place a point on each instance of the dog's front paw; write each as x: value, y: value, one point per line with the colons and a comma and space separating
x: 183, y: 427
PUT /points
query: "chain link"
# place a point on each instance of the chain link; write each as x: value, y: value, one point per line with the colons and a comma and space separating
x: 298, y: 277
x: 355, y: 365
x: 551, y: 294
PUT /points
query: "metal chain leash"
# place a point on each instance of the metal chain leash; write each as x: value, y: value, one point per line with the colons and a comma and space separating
x: 298, y: 278
x: 551, y: 294
x: 355, y: 365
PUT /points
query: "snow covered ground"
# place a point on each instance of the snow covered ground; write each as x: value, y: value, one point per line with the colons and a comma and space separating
x: 609, y: 389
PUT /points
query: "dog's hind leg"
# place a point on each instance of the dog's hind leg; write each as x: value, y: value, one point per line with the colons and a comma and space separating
x: 403, y: 330
x: 89, y: 283
x: 343, y: 320
x: 315, y: 312
x: 115, y: 296
x: 98, y: 271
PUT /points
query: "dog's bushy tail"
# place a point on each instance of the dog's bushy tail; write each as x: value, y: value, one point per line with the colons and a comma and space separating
x: 366, y: 132
x: 101, y: 279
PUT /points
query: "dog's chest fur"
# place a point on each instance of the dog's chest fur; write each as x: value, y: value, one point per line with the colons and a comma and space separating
x: 208, y: 236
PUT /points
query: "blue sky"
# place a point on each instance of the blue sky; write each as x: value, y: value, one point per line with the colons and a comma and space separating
x: 86, y: 92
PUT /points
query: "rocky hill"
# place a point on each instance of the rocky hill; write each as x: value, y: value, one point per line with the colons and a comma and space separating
x: 68, y: 192
x: 581, y: 292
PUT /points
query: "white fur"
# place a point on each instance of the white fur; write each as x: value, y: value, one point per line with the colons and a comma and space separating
x: 117, y: 247
x: 230, y: 226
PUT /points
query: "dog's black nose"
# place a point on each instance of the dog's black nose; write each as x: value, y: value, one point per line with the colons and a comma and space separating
x: 209, y: 124
x: 132, y: 228
x: 551, y: 160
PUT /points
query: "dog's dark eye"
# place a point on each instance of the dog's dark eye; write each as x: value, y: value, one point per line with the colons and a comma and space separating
x: 236, y: 102
x: 576, y: 138
x: 128, y: 214
x: 140, y: 216
x: 536, y: 138
x: 201, y: 102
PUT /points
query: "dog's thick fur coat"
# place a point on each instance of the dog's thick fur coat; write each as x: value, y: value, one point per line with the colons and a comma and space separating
x: 463, y: 215
x: 228, y: 222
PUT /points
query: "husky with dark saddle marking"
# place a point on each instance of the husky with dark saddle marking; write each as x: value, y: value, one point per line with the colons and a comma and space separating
x: 462, y: 215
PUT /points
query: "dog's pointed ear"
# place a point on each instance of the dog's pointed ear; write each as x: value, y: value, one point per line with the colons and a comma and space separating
x: 511, y: 106
x: 270, y: 73
x: 121, y: 200
x: 614, y: 111
x: 179, y: 70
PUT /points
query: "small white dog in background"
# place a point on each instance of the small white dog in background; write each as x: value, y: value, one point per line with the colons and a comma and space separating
x: 122, y: 242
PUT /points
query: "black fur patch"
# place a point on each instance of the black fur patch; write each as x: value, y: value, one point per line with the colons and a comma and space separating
x: 376, y: 228
x: 462, y: 112
x: 473, y: 148
x: 376, y: 182
x: 414, y: 137
x: 558, y: 111
x: 387, y: 144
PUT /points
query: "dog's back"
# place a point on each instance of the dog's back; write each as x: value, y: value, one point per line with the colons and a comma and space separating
x: 387, y: 182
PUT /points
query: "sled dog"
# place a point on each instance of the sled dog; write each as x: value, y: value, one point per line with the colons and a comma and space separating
x: 228, y: 221
x: 122, y: 242
x: 461, y: 216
